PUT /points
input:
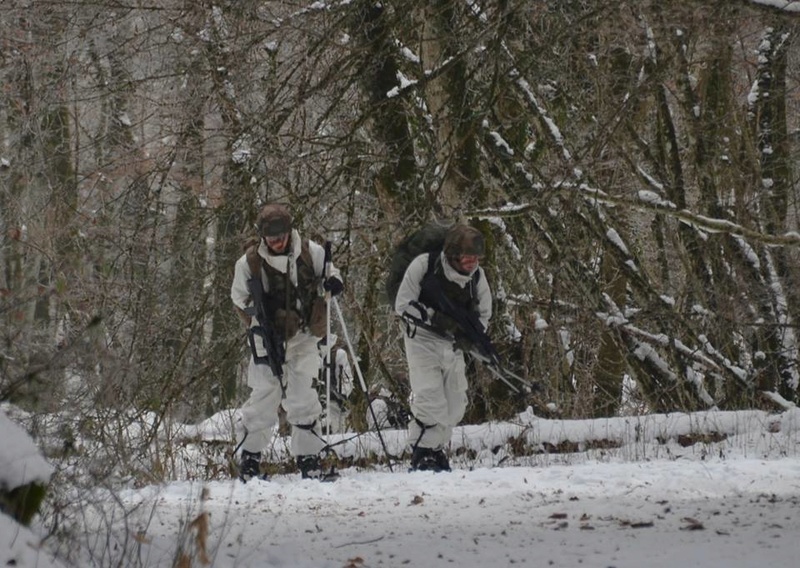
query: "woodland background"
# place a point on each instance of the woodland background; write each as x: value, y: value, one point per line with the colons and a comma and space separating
x: 631, y: 164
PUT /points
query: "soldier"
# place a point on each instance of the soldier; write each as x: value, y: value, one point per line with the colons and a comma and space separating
x: 291, y: 273
x: 438, y: 289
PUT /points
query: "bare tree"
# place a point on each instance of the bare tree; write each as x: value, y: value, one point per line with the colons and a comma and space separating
x: 631, y: 165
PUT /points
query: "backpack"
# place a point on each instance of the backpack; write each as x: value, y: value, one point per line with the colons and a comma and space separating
x: 428, y: 238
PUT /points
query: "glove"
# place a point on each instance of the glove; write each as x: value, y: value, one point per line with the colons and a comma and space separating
x: 333, y: 285
x: 288, y: 323
x: 423, y: 311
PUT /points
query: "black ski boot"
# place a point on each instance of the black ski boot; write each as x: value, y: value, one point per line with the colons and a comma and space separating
x: 441, y: 460
x: 250, y: 466
x: 310, y: 468
x: 428, y: 459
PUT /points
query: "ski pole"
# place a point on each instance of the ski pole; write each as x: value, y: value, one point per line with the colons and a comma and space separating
x: 361, y: 379
x: 326, y: 274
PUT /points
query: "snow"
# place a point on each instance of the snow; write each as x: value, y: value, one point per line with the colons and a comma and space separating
x: 20, y: 460
x: 785, y: 5
x: 20, y: 464
x: 661, y: 513
x: 404, y: 84
x: 628, y: 495
x: 19, y: 546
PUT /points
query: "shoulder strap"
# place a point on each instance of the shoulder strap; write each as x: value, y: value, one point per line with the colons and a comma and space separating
x: 474, y: 283
x: 305, y: 254
x: 253, y: 261
x: 433, y: 258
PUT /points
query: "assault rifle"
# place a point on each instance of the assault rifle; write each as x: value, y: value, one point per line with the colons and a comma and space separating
x: 271, y: 342
x: 470, y: 327
x: 481, y: 350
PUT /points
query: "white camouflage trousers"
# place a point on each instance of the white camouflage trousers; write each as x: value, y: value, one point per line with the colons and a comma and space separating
x: 302, y: 406
x: 439, y: 387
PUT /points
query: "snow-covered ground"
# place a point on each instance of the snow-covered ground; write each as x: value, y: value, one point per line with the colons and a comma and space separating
x: 731, y: 513
x: 649, y: 502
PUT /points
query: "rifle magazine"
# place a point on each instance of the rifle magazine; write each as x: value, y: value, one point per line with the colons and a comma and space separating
x: 258, y: 348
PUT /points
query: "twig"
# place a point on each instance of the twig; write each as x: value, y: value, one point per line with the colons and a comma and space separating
x: 359, y: 542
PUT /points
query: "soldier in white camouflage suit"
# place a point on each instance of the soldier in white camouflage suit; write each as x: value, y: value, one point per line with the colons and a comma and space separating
x: 291, y: 274
x: 436, y: 364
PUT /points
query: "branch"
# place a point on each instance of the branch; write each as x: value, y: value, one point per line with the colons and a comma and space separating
x: 649, y: 201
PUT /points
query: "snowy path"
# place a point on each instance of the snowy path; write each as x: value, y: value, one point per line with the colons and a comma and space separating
x: 734, y: 513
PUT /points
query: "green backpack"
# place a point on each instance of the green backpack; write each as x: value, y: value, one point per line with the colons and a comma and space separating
x: 428, y: 238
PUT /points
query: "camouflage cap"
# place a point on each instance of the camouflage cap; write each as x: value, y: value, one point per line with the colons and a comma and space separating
x: 463, y: 239
x: 274, y: 220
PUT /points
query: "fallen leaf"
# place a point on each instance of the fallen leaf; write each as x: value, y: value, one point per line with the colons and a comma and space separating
x: 692, y: 524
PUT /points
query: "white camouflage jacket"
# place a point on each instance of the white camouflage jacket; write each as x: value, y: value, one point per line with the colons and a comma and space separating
x: 410, y: 288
